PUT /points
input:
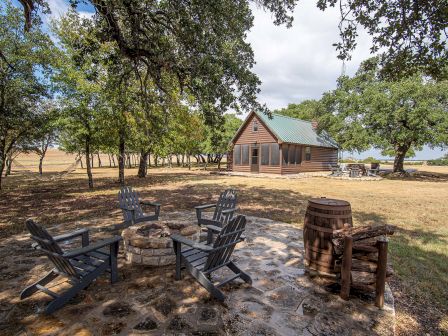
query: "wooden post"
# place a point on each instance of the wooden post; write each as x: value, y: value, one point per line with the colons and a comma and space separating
x: 346, y: 267
x: 381, y: 272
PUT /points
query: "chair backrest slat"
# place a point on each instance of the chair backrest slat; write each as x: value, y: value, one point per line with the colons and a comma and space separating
x: 227, y: 200
x: 225, y: 243
x: 51, y: 248
x: 130, y: 199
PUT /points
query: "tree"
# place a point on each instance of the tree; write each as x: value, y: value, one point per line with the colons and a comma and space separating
x: 25, y: 66
x: 400, y: 115
x: 219, y: 137
x: 411, y: 35
x: 306, y: 110
x: 80, y: 87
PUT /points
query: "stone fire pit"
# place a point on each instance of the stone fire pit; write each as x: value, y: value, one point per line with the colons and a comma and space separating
x: 151, y: 244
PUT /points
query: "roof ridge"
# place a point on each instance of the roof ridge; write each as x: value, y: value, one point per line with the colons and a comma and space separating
x: 289, y: 117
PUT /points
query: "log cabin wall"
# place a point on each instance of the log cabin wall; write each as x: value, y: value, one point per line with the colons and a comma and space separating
x: 249, y: 137
x: 321, y: 159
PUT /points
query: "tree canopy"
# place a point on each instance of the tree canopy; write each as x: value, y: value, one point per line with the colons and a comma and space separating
x: 367, y: 111
x: 183, y: 36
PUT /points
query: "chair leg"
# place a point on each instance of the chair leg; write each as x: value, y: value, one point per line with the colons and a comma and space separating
x: 206, y: 283
x: 177, y: 251
x: 243, y: 275
x: 30, y: 290
x: 70, y: 293
x: 113, y: 262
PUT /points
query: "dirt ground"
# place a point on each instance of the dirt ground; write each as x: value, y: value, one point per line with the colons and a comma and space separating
x: 417, y: 205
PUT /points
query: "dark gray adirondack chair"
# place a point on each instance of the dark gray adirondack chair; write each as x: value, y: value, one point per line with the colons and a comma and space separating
x: 224, y: 209
x: 81, y: 266
x: 131, y: 205
x: 201, y: 260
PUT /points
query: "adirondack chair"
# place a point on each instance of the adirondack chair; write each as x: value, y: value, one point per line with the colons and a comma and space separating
x: 81, y: 266
x: 201, y: 260
x: 133, y: 213
x: 224, y: 209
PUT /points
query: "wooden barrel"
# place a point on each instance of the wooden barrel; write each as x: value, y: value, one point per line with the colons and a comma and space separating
x: 323, y: 216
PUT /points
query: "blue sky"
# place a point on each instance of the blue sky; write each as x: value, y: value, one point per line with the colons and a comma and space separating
x: 293, y: 64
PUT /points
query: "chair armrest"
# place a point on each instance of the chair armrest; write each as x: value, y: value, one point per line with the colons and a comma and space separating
x: 229, y: 211
x: 181, y: 239
x: 150, y: 203
x: 92, y: 247
x: 124, y: 207
x: 214, y: 228
x: 205, y: 206
x: 70, y: 235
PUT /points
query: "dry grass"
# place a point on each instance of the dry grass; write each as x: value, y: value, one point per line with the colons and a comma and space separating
x: 418, y: 206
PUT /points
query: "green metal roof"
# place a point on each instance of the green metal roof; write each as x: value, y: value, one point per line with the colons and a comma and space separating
x: 296, y: 131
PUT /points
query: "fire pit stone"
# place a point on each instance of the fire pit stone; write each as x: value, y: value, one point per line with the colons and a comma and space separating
x: 151, y: 244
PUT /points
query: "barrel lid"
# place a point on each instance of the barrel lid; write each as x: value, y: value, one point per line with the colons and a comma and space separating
x: 329, y: 201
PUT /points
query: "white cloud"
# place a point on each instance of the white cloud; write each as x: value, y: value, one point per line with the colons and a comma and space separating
x: 300, y: 63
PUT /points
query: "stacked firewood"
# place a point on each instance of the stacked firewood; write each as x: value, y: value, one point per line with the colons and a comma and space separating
x: 367, y: 255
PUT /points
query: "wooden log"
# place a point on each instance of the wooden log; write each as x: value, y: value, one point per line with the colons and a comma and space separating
x: 365, y: 256
x: 365, y: 248
x: 381, y: 273
x: 365, y: 278
x: 359, y: 233
x: 364, y: 266
x: 346, y: 268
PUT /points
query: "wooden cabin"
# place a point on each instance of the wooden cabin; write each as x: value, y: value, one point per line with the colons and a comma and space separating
x: 281, y: 145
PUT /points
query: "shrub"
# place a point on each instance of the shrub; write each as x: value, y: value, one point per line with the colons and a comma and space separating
x: 370, y: 159
x: 438, y: 162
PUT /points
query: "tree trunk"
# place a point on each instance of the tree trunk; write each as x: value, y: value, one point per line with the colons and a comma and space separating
x: 110, y: 161
x: 219, y: 162
x: 2, y: 167
x: 400, y: 154
x: 121, y: 157
x: 128, y: 156
x: 156, y: 161
x: 8, y: 167
x: 113, y: 160
x: 99, y: 159
x: 82, y: 164
x: 149, y: 158
x: 88, y: 163
x: 189, y: 162
x: 41, y: 159
x: 143, y: 166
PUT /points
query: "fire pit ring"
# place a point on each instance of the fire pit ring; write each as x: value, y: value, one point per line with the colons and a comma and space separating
x: 150, y: 244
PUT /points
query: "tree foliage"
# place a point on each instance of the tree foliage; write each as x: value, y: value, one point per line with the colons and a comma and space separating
x: 183, y: 36
x: 402, y: 115
x: 306, y: 110
x: 25, y: 66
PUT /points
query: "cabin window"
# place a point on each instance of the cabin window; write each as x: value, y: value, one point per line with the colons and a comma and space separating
x: 265, y: 154
x: 275, y: 154
x: 245, y: 155
x: 237, y: 154
x: 255, y: 126
x: 307, y: 153
x: 298, y: 155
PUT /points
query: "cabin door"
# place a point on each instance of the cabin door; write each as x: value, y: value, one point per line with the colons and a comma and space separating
x: 254, y: 162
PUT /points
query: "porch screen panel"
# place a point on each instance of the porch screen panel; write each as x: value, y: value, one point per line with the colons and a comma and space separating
x: 298, y: 154
x: 237, y: 154
x: 245, y: 154
x: 285, y: 154
x: 292, y: 154
x: 275, y: 154
x: 264, y: 154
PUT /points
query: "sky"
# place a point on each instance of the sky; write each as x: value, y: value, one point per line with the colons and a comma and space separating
x: 297, y: 63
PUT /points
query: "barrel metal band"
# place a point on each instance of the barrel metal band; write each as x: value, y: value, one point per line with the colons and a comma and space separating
x: 318, y: 228
x: 324, y: 215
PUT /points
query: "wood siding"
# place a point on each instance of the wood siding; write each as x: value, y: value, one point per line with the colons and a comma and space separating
x: 321, y: 159
x: 249, y: 137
